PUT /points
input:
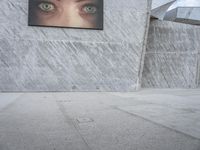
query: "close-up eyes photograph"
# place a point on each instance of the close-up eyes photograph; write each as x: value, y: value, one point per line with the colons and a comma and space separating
x: 66, y: 13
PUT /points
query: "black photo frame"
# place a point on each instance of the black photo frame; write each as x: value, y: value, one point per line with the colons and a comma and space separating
x: 80, y: 14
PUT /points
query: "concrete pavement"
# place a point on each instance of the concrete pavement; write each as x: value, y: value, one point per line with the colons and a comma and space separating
x: 145, y: 120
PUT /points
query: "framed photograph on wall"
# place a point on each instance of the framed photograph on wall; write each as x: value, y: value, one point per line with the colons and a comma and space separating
x: 86, y: 14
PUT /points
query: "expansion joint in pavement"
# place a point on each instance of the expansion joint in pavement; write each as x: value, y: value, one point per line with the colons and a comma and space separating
x: 71, y: 122
x: 155, y: 123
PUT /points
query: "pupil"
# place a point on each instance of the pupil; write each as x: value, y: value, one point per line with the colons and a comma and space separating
x: 90, y: 9
x: 46, y: 7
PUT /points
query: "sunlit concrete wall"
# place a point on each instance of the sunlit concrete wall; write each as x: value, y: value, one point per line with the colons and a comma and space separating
x: 172, y: 58
x: 55, y: 59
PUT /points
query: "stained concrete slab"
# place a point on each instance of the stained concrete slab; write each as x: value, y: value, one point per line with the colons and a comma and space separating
x: 102, y: 121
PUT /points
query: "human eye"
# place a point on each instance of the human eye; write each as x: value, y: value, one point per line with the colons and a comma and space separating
x: 89, y: 9
x: 46, y: 6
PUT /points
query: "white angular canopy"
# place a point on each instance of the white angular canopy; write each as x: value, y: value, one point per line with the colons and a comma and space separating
x: 189, y: 15
x: 160, y: 7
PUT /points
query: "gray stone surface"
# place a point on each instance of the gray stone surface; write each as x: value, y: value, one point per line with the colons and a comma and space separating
x: 166, y: 36
x: 172, y: 55
x: 55, y: 59
x: 188, y: 15
x: 177, y: 111
x: 146, y: 120
x: 198, y: 72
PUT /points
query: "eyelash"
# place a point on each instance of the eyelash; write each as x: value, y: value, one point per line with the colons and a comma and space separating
x: 83, y: 9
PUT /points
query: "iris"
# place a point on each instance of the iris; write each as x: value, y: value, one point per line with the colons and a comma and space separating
x: 46, y: 6
x: 90, y: 9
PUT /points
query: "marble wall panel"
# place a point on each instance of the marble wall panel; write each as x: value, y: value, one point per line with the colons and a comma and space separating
x: 198, y: 72
x: 166, y: 36
x: 63, y: 59
x: 170, y: 70
x: 28, y: 65
x: 172, y: 56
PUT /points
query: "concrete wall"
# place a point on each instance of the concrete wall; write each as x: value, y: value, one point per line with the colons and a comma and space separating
x: 172, y: 58
x: 55, y: 59
x: 198, y: 73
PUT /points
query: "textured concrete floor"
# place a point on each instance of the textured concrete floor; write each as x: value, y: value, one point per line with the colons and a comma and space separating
x: 145, y: 120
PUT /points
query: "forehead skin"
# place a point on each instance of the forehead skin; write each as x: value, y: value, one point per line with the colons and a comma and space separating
x: 73, y: 0
x: 78, y: 1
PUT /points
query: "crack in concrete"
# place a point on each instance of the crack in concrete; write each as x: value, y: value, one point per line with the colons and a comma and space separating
x: 72, y: 124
